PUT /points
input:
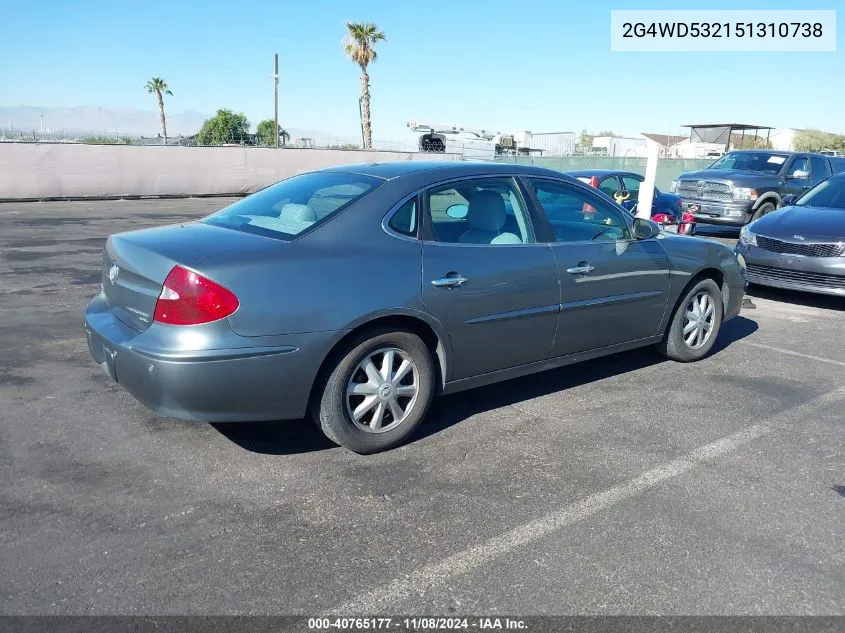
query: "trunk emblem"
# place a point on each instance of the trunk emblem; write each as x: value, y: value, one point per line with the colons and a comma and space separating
x: 114, y: 271
x: 799, y: 237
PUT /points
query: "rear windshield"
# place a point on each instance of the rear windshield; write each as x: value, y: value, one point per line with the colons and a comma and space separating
x: 829, y: 193
x: 290, y: 207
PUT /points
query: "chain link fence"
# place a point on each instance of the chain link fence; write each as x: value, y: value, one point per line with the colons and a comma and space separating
x: 668, y: 169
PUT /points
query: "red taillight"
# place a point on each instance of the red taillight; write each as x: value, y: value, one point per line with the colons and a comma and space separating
x: 190, y: 299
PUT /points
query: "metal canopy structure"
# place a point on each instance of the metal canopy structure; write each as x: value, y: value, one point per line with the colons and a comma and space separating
x: 721, y: 133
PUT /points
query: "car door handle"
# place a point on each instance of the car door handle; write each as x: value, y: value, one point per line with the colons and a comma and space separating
x: 581, y: 269
x: 450, y: 281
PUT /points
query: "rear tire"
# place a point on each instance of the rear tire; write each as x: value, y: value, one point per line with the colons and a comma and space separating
x: 376, y: 391
x: 763, y: 209
x: 694, y: 326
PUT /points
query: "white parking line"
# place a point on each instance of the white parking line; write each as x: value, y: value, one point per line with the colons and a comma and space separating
x: 820, y: 359
x: 417, y: 582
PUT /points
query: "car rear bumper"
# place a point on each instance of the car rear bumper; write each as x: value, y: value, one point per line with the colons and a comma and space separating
x: 714, y: 212
x: 219, y: 385
x: 821, y: 275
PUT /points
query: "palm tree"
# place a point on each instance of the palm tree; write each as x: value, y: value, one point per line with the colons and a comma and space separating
x: 284, y: 137
x: 359, y: 45
x: 158, y: 86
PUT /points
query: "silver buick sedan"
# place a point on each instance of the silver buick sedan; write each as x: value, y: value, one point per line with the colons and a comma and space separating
x: 356, y: 294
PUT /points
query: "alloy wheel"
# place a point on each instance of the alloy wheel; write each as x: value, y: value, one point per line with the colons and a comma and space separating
x: 699, y: 316
x: 382, y: 390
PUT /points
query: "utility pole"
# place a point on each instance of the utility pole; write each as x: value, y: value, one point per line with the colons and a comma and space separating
x: 276, y: 107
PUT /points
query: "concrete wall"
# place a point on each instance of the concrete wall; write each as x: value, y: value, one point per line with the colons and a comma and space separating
x: 40, y: 171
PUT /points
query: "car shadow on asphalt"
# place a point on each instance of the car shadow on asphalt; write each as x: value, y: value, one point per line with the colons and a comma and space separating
x: 794, y: 297
x: 302, y: 436
x: 451, y: 410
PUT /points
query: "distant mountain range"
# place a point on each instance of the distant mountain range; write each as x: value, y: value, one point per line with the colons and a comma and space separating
x: 94, y: 119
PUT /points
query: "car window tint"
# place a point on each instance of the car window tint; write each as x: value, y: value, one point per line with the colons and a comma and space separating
x: 830, y: 193
x: 404, y: 221
x: 818, y: 168
x: 487, y: 211
x: 609, y: 185
x: 288, y: 208
x: 578, y: 215
x: 801, y: 163
x: 632, y: 186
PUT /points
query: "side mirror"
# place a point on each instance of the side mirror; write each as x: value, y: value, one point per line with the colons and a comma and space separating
x: 645, y: 229
x: 789, y: 199
x: 799, y: 173
x: 457, y: 211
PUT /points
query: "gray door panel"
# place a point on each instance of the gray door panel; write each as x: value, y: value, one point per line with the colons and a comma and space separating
x: 505, y: 312
x: 622, y: 298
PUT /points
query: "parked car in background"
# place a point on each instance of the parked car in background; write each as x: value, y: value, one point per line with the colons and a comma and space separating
x: 624, y: 188
x: 801, y: 246
x: 746, y: 185
x: 354, y: 294
x: 831, y: 152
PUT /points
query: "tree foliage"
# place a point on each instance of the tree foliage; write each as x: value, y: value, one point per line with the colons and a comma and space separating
x: 360, y: 43
x: 360, y: 46
x: 225, y: 127
x: 815, y: 140
x: 585, y: 141
x: 158, y: 87
x: 265, y: 130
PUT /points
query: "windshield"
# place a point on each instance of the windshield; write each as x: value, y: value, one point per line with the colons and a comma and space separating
x: 762, y: 162
x: 288, y: 208
x: 830, y: 193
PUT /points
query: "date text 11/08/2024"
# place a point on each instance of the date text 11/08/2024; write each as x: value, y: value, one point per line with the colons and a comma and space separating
x: 416, y: 624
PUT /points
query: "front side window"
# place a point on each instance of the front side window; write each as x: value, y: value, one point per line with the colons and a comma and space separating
x: 576, y: 215
x: 800, y: 164
x: 482, y: 211
x: 288, y: 208
x: 632, y: 186
x: 610, y: 186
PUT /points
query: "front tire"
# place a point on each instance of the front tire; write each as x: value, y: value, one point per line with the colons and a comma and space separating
x: 695, y: 324
x: 377, y: 391
x: 763, y: 209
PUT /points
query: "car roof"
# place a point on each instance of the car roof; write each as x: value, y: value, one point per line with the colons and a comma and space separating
x: 442, y: 169
x: 581, y: 173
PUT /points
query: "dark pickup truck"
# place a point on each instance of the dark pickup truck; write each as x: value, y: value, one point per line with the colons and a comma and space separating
x: 747, y: 184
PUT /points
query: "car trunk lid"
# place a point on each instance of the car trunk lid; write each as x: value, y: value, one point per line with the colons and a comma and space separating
x: 135, y: 264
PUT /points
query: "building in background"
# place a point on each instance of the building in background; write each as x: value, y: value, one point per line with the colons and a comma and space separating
x: 784, y: 139
x: 555, y: 143
x: 666, y: 143
x: 619, y: 146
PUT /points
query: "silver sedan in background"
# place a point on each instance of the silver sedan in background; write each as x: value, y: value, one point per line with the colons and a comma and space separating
x: 802, y: 245
x: 355, y: 294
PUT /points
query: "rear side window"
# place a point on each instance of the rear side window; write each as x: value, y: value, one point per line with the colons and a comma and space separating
x: 818, y: 168
x: 404, y: 221
x: 290, y: 207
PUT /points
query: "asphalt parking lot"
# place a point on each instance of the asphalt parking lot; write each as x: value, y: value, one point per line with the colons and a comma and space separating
x: 625, y: 485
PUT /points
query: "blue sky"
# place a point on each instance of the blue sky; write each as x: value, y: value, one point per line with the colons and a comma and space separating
x: 541, y: 65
